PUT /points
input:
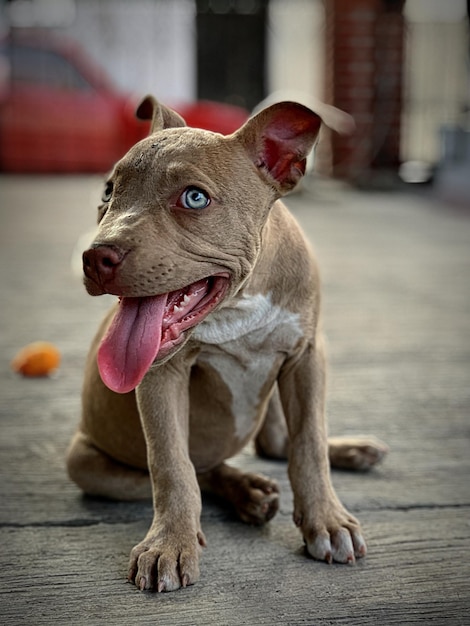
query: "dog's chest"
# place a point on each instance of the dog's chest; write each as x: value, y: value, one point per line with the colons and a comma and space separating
x: 246, y: 343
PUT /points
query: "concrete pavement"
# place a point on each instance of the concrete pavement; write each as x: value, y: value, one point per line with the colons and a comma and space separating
x: 396, y: 273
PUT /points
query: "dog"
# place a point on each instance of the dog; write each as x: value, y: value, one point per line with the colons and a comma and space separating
x: 214, y: 341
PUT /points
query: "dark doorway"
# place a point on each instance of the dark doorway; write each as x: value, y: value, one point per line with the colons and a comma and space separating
x: 231, y: 38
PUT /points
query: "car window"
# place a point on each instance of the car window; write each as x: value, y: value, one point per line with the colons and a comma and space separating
x: 45, y: 68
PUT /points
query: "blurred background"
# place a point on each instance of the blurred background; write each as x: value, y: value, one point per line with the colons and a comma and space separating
x: 72, y: 71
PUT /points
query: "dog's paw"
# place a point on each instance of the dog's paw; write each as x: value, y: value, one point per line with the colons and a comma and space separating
x: 334, y: 537
x: 257, y: 500
x: 356, y: 453
x: 165, y: 561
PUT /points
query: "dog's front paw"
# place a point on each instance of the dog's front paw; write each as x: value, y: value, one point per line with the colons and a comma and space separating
x: 334, y: 536
x: 166, y: 561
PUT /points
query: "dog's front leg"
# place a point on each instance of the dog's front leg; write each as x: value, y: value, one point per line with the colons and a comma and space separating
x: 168, y: 556
x: 329, y: 531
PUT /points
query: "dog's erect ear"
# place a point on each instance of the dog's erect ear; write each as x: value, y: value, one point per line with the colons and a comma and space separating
x: 278, y: 140
x: 161, y: 116
x: 339, y: 121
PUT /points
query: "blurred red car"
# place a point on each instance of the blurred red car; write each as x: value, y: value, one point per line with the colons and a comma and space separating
x: 60, y: 113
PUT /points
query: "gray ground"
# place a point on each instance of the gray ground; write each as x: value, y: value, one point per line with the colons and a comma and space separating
x: 396, y: 273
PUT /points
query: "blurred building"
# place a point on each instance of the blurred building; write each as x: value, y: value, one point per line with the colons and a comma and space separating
x: 400, y: 67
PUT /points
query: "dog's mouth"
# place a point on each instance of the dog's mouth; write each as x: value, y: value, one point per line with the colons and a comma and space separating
x: 148, y: 328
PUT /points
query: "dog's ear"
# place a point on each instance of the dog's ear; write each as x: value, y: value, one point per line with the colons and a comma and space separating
x: 161, y: 116
x: 339, y: 121
x: 279, y: 139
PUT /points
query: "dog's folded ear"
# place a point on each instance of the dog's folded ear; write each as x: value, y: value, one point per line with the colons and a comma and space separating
x: 279, y: 138
x: 161, y: 116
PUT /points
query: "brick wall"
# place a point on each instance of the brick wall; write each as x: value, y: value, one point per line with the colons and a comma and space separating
x: 364, y: 70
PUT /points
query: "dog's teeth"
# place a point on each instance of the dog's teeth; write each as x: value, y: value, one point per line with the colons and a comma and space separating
x: 186, y: 299
x: 177, y: 309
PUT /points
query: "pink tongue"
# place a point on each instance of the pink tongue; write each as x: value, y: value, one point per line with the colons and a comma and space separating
x: 132, y: 342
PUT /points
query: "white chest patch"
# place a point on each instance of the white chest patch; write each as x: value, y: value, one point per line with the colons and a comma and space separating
x: 242, y: 342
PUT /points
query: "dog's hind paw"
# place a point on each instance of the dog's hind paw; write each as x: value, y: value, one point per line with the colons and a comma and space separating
x: 258, y: 499
x: 255, y: 497
x: 356, y: 453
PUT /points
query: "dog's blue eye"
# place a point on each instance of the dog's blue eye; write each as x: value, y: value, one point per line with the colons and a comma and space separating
x: 195, y: 198
x: 108, y: 192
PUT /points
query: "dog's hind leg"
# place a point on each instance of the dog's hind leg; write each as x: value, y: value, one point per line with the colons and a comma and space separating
x: 351, y: 453
x: 356, y: 453
x: 97, y: 474
x: 272, y: 441
x: 255, y: 497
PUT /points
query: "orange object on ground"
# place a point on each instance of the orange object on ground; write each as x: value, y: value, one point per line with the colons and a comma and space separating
x: 39, y: 358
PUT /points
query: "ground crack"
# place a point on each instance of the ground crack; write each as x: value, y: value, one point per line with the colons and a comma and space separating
x: 416, y: 507
x: 398, y: 507
x: 84, y: 522
x: 71, y: 523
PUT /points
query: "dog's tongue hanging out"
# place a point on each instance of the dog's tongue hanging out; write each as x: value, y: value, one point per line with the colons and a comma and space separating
x: 143, y: 326
x: 132, y: 342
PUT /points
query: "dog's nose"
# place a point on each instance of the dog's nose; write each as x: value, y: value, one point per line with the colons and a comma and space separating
x: 100, y: 262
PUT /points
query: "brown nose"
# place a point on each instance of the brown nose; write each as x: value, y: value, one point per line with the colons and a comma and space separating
x: 100, y: 262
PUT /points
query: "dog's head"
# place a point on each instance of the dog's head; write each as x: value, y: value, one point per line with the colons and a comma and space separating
x: 180, y: 226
